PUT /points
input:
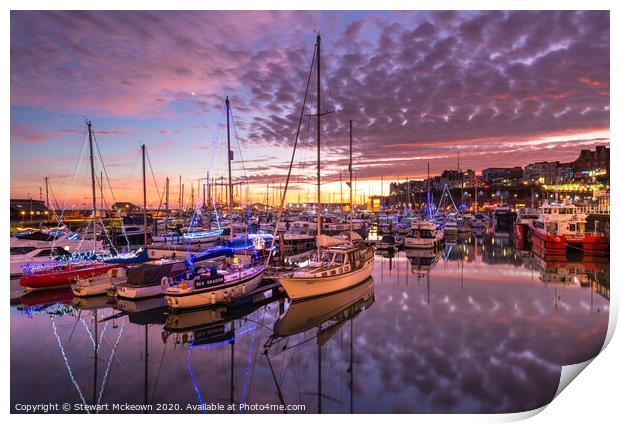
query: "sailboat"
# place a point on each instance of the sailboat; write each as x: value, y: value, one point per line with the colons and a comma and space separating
x: 63, y: 274
x: 225, y: 281
x: 338, y: 266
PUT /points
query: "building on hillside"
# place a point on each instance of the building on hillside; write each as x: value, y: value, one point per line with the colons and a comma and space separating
x: 543, y: 172
x: 502, y: 175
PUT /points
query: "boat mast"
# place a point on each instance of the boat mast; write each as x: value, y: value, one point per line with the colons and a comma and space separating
x: 92, y: 178
x: 351, y: 176
x: 428, y: 190
x: 318, y: 138
x: 144, y: 191
x: 230, y: 191
x: 47, y: 196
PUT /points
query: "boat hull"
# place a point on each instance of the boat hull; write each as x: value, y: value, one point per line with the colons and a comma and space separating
x: 91, y: 290
x: 304, y: 288
x: 422, y: 243
x: 521, y: 236
x: 139, y: 292
x: 64, y: 278
x: 226, y: 293
x: 587, y: 244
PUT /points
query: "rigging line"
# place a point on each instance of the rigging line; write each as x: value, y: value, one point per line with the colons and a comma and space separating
x: 77, y: 158
x: 148, y: 159
x: 245, y: 175
x: 64, y: 356
x: 290, y: 168
x: 105, y: 171
x: 161, y: 362
x: 75, y: 172
x: 107, y: 370
x: 194, y: 383
x: 257, y: 350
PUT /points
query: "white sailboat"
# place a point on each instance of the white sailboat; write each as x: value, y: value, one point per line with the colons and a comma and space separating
x: 230, y: 282
x: 337, y: 267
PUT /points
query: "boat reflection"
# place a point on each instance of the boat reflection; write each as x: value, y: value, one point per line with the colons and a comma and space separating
x: 562, y: 271
x: 91, y: 303
x: 208, y: 325
x: 422, y: 260
x: 46, y: 297
x: 324, y: 316
x: 336, y: 308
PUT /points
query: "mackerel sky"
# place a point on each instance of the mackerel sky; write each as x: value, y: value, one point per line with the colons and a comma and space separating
x: 500, y: 88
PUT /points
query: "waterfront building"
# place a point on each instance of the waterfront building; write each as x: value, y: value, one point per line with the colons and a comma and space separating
x: 543, y: 172
x: 28, y: 209
x: 502, y: 175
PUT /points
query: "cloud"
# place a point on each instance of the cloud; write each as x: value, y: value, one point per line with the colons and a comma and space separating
x: 418, y: 85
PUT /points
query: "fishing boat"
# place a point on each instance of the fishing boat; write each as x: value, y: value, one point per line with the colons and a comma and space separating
x: 561, y: 229
x: 337, y: 267
x: 424, y: 235
x: 99, y: 284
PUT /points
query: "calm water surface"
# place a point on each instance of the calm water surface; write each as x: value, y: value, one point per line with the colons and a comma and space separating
x: 477, y: 327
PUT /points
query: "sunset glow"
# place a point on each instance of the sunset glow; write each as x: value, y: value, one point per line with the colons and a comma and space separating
x: 499, y: 88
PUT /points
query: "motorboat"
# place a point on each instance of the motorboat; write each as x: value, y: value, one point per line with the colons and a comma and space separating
x: 71, y: 242
x: 338, y: 268
x: 560, y: 228
x: 425, y: 235
x: 62, y: 275
x: 99, y: 284
x: 24, y: 257
x: 145, y: 280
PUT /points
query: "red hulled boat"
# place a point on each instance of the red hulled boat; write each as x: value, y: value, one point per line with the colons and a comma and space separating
x: 561, y: 229
x: 63, y: 275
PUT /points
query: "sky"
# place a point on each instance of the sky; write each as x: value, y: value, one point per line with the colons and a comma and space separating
x: 496, y: 88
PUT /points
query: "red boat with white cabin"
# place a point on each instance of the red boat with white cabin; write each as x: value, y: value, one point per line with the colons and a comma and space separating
x: 561, y: 228
x: 63, y: 275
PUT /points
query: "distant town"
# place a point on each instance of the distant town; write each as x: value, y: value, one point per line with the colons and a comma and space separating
x: 585, y: 180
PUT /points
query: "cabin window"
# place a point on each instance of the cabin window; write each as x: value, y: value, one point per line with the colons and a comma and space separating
x: 45, y: 252
x: 552, y: 228
x: 56, y: 251
x: 338, y: 258
x: 21, y: 250
x: 327, y: 257
x: 572, y: 227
